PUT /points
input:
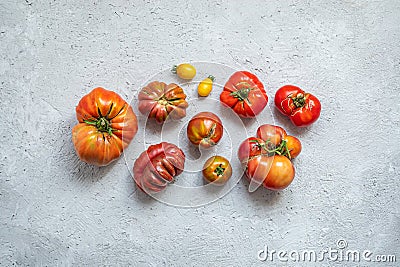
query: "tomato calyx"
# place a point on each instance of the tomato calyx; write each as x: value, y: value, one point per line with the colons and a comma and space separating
x: 219, y: 171
x: 212, y: 78
x: 242, y: 94
x: 207, y: 139
x: 282, y: 149
x: 173, y: 70
x: 299, y: 100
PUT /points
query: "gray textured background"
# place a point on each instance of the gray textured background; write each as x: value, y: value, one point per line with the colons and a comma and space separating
x: 55, y: 210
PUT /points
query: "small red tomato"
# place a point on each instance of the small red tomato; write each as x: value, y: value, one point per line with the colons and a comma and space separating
x: 205, y: 129
x: 217, y: 170
x: 249, y: 148
x: 302, y: 108
x: 271, y: 134
x: 293, y: 145
x: 245, y: 94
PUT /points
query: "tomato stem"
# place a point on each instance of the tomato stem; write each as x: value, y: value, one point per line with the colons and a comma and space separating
x: 212, y: 78
x: 219, y: 170
x: 241, y: 94
x: 173, y: 70
x: 102, y: 124
x: 299, y: 100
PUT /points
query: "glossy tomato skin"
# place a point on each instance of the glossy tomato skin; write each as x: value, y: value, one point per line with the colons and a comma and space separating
x: 302, y: 108
x: 245, y: 94
x: 158, y: 166
x: 217, y: 170
x: 274, y: 172
x: 205, y: 129
x: 161, y: 101
x: 249, y: 148
x: 107, y: 124
x: 185, y: 71
x: 293, y: 145
x: 271, y: 133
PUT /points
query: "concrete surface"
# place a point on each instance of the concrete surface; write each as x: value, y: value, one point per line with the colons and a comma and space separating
x: 55, y: 210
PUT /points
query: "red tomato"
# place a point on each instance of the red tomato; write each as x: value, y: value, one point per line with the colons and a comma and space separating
x: 217, y: 170
x: 302, y: 108
x: 205, y: 129
x: 107, y: 124
x: 159, y: 100
x: 271, y: 134
x: 249, y: 148
x: 245, y: 94
x: 293, y: 145
x: 158, y: 166
x: 275, y: 172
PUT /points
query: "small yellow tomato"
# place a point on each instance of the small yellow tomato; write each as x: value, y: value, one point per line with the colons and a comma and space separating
x: 205, y: 86
x: 184, y: 71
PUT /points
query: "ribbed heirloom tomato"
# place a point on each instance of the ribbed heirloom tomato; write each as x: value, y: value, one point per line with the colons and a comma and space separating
x: 160, y: 101
x: 302, y: 108
x: 107, y: 124
x: 158, y: 166
x: 205, y: 129
x: 245, y: 94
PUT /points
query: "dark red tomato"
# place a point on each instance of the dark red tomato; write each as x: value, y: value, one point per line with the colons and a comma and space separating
x: 245, y: 94
x: 249, y: 148
x: 158, y: 166
x: 271, y: 134
x: 205, y: 129
x: 302, y: 108
x: 217, y: 170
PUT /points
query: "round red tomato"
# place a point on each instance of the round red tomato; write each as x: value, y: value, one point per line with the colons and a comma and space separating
x: 217, y: 170
x: 302, y: 108
x: 245, y: 94
x: 107, y: 124
x: 160, y: 101
x: 205, y: 129
x: 271, y: 134
x: 251, y: 147
x: 158, y: 166
x: 275, y: 172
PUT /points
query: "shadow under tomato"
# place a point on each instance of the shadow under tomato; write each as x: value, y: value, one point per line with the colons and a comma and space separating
x: 285, y: 123
x: 268, y: 197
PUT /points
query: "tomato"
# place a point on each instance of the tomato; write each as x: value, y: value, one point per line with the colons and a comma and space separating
x: 271, y: 134
x: 205, y: 129
x: 293, y: 146
x: 107, y: 124
x: 245, y: 94
x: 184, y: 71
x: 275, y: 172
x: 217, y: 170
x: 158, y: 166
x: 302, y: 108
x: 250, y: 147
x: 160, y: 101
x: 205, y: 86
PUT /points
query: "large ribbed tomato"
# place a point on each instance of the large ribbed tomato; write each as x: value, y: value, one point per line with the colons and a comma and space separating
x: 107, y: 124
x: 158, y: 166
x: 205, y: 129
x: 160, y: 101
x: 245, y: 94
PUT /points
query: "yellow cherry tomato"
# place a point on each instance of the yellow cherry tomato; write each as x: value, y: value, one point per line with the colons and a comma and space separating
x: 184, y: 71
x: 205, y: 86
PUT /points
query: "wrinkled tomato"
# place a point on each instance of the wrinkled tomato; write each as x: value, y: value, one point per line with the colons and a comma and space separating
x: 205, y: 129
x: 107, y: 124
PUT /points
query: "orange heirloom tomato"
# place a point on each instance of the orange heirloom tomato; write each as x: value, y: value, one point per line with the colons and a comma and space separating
x: 293, y: 145
x: 160, y: 101
x: 107, y: 124
x: 205, y: 129
x: 217, y: 170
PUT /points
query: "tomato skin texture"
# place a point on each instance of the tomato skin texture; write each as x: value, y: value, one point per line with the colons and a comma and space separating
x: 205, y: 129
x: 294, y: 146
x: 185, y: 71
x: 273, y: 134
x: 107, y: 124
x: 249, y: 148
x: 161, y: 101
x: 245, y: 94
x: 302, y: 108
x: 158, y: 166
x: 275, y: 172
x: 217, y: 170
x: 205, y: 86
